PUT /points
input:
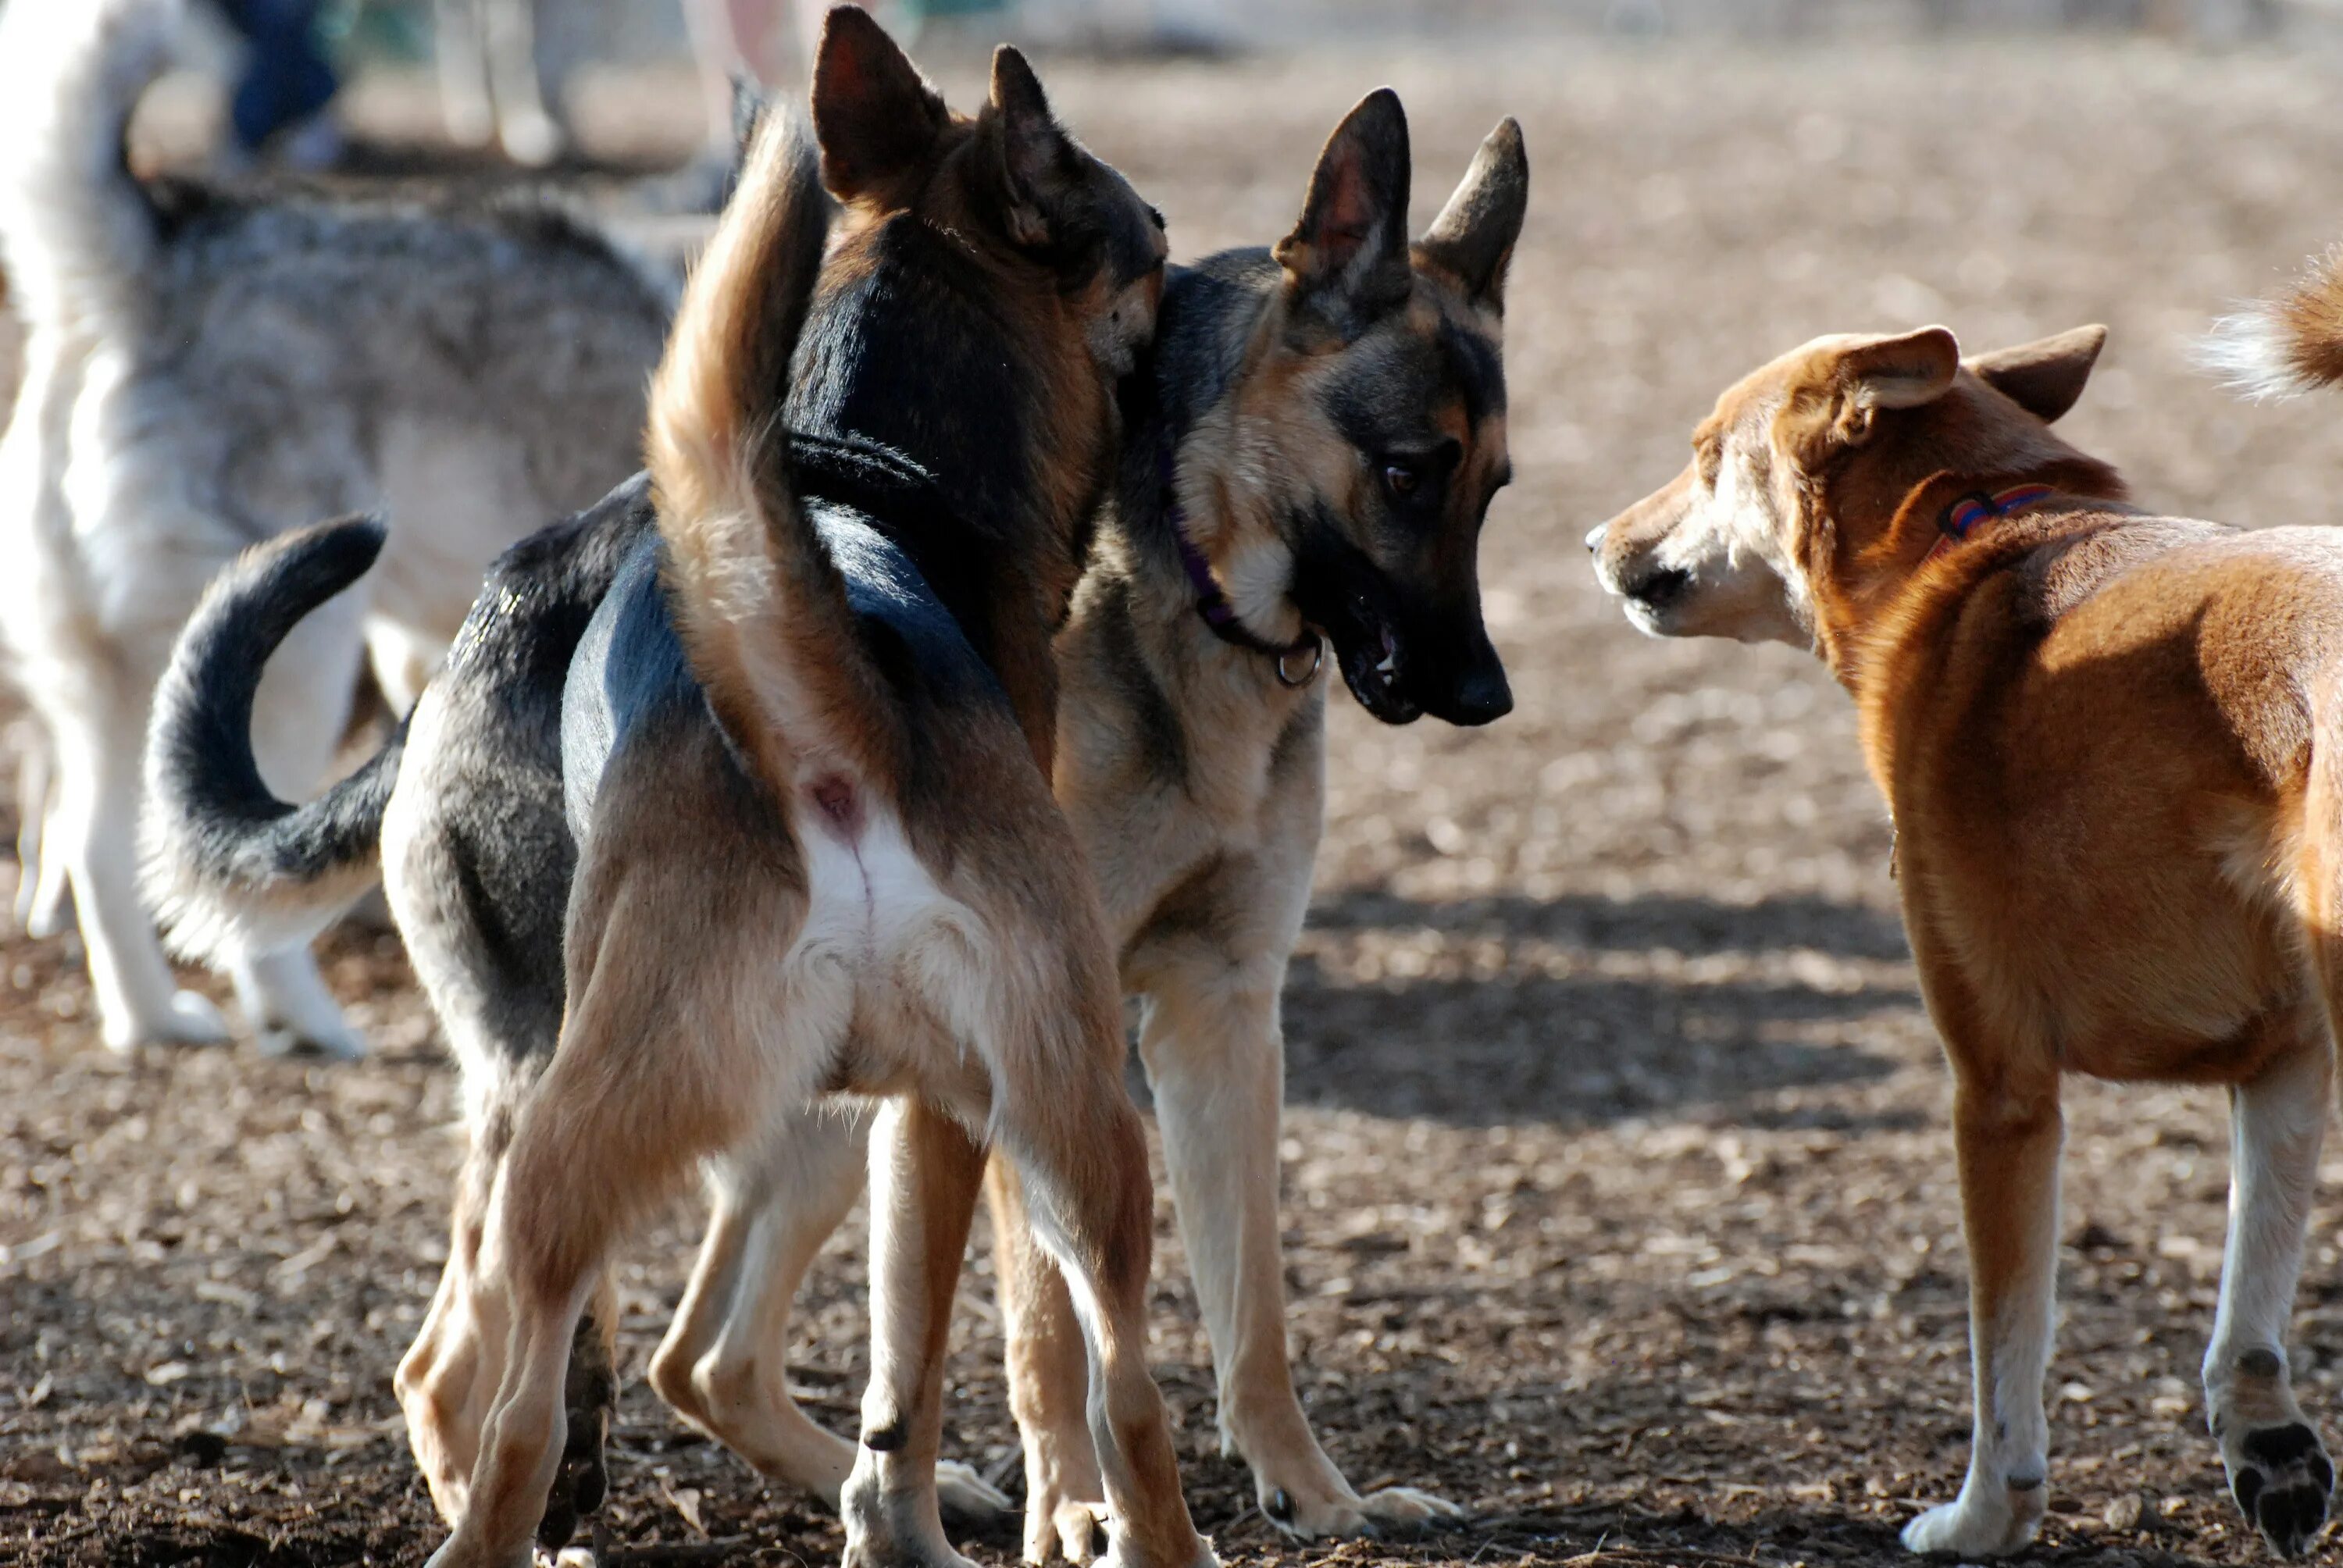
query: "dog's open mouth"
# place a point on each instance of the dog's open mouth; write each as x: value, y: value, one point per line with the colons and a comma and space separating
x: 1375, y: 664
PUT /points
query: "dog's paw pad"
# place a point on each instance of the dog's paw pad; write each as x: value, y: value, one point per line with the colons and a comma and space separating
x: 2282, y: 1481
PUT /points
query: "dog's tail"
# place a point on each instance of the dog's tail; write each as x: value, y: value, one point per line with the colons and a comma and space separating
x: 76, y: 229
x: 228, y: 866
x: 759, y: 604
x: 2285, y: 346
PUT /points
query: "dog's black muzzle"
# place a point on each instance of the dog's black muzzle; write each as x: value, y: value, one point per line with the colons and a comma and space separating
x: 1402, y: 661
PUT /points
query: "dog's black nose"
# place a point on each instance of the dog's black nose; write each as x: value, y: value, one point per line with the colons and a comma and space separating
x: 1594, y: 537
x: 1481, y: 696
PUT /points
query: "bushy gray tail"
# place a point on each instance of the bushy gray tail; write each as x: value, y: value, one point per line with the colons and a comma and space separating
x: 76, y: 231
x: 228, y: 866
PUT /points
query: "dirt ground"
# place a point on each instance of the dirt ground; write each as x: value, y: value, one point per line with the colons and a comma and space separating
x: 1618, y: 1186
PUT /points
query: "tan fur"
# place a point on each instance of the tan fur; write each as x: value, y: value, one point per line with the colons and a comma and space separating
x: 2108, y: 741
x: 763, y: 610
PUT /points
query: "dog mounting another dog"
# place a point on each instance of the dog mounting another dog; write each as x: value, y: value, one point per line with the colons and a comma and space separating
x: 798, y: 751
x: 1323, y: 424
x: 2113, y: 747
x: 205, y: 369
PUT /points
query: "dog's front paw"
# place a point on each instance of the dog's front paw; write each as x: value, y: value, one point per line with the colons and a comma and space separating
x: 191, y: 1019
x: 1971, y: 1530
x: 967, y: 1499
x: 1393, y: 1509
x: 2282, y: 1479
x: 1065, y: 1530
x: 907, y: 1548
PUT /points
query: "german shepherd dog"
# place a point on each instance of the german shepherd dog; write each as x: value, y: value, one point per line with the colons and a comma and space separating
x: 2113, y: 747
x: 814, y: 852
x: 205, y: 369
x: 1324, y: 425
x: 1360, y: 379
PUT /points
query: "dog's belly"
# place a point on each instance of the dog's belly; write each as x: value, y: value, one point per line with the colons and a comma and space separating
x: 2121, y: 970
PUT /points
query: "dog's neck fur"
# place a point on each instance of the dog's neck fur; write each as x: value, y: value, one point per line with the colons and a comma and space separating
x: 1871, y: 518
x: 1209, y: 318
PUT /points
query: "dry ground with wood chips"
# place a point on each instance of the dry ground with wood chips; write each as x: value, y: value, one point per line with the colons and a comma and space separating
x: 1618, y: 1188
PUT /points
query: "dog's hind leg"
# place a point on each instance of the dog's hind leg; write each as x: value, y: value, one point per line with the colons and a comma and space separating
x: 1215, y: 1057
x: 42, y: 886
x: 2007, y: 1132
x: 35, y: 524
x: 1061, y: 1113
x: 925, y: 1171
x: 99, y: 745
x: 589, y: 1395
x: 720, y: 1366
x: 2277, y: 1468
x: 1049, y: 1385
x: 652, y: 1075
x: 443, y: 1380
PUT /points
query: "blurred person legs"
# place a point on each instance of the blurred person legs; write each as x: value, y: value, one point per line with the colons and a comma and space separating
x: 491, y: 85
x: 758, y: 39
x: 287, y: 86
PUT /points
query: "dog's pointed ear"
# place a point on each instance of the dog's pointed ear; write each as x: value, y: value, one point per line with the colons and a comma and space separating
x: 1858, y: 378
x: 874, y: 116
x: 1346, y: 262
x: 1037, y: 155
x: 1474, y: 236
x: 2046, y: 375
x: 1900, y: 371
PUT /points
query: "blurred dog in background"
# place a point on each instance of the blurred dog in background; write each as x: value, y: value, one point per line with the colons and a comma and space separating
x: 204, y: 370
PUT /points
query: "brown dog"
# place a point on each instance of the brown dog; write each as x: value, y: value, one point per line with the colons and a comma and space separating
x: 2112, y: 745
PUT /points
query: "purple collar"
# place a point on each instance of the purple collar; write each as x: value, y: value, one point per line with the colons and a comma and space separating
x: 1297, y: 661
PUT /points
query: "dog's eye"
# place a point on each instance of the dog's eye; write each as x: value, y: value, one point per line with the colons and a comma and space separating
x: 1402, y: 479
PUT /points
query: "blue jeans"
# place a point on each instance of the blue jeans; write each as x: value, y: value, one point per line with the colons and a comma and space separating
x: 287, y: 78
